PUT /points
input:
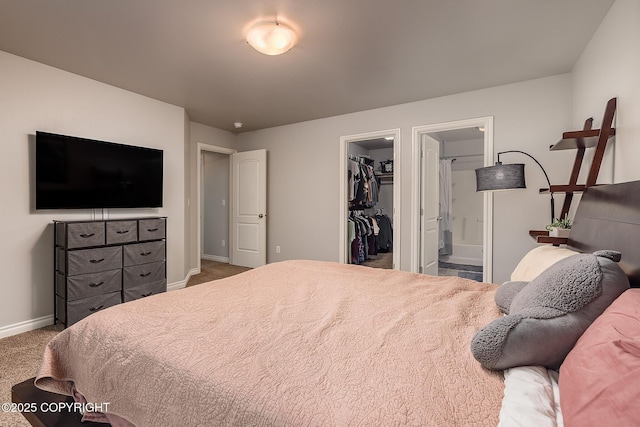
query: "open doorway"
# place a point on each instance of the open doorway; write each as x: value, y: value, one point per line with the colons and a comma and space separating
x: 212, y: 178
x: 214, y: 207
x: 229, y: 185
x: 462, y: 244
x: 461, y: 215
x: 369, y: 223
x: 236, y: 192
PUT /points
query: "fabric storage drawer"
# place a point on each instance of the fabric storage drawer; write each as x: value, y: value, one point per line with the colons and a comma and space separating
x: 89, y: 260
x: 151, y: 229
x: 122, y: 232
x: 73, y: 311
x: 87, y: 285
x: 84, y: 234
x: 94, y: 260
x: 137, y: 275
x: 144, y: 253
x: 153, y: 288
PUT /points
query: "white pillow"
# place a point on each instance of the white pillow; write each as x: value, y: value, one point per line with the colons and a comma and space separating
x: 538, y: 260
x: 531, y: 398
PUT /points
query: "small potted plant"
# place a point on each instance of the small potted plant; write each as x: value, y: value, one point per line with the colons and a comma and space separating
x: 560, y: 227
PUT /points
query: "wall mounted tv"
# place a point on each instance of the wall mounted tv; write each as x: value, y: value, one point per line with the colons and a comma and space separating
x: 78, y: 173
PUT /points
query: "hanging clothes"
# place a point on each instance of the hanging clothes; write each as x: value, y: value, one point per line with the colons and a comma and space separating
x: 353, y: 178
x: 368, y: 236
x: 384, y: 239
x: 363, y: 231
x: 362, y: 241
x: 362, y: 185
x: 445, y: 236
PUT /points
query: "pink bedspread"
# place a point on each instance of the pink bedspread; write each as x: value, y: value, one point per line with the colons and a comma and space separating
x: 291, y: 343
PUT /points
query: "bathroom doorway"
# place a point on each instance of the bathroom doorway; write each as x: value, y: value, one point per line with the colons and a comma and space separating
x: 464, y: 238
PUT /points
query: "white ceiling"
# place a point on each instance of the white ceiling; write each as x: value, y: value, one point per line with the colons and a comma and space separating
x: 353, y: 55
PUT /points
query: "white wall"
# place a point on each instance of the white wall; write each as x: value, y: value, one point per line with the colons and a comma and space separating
x: 303, y: 176
x: 39, y: 97
x: 469, y: 154
x: 610, y: 67
x: 467, y: 208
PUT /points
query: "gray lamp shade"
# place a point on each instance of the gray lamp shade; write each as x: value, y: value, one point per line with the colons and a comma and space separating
x: 500, y: 177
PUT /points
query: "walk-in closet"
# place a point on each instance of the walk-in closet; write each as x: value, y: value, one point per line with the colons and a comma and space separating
x: 370, y: 202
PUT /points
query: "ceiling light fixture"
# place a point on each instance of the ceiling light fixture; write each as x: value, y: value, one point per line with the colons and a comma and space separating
x: 271, y: 37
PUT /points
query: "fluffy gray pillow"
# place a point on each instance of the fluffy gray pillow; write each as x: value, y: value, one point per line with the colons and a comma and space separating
x: 548, y: 315
x: 506, y: 293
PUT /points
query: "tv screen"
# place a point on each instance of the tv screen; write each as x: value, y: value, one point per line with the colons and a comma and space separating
x: 76, y: 173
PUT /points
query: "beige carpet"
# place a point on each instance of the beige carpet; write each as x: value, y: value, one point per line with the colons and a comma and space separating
x: 213, y: 270
x: 20, y: 355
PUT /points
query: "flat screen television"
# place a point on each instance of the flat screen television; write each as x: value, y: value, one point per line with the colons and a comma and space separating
x: 78, y: 173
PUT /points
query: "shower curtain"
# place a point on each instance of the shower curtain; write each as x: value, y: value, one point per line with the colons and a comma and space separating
x: 445, y: 246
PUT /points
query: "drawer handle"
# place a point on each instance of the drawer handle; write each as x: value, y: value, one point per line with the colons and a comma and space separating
x: 95, y: 285
x: 146, y: 295
x: 145, y: 274
x: 96, y: 308
x: 151, y: 230
x: 145, y: 253
x: 96, y: 261
x: 85, y: 235
x: 122, y: 231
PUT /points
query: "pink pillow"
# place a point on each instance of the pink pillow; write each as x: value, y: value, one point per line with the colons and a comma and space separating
x: 600, y: 378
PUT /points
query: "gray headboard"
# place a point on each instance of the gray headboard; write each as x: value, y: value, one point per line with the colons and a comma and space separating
x: 608, y: 217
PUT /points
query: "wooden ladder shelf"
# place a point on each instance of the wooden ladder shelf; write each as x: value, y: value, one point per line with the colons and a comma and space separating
x: 580, y: 140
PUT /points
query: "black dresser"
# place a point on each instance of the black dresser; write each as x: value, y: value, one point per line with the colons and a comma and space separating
x: 106, y: 262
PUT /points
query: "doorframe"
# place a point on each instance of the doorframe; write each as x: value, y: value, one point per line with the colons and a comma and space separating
x: 343, y: 179
x: 213, y: 149
x: 487, y: 232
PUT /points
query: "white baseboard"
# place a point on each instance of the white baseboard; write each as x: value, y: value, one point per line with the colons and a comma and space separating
x: 177, y: 285
x: 183, y: 283
x: 216, y: 258
x: 26, y: 326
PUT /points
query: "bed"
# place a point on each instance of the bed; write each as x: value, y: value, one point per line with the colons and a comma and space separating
x: 319, y: 343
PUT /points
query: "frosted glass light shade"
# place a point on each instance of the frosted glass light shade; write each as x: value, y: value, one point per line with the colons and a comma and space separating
x: 271, y: 38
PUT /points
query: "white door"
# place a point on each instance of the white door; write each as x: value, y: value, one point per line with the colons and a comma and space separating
x: 249, y: 208
x: 429, y: 205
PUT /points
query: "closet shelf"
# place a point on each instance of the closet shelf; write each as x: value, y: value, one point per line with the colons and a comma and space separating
x: 385, y: 178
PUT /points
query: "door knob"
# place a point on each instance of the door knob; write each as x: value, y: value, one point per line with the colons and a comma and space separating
x: 260, y: 216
